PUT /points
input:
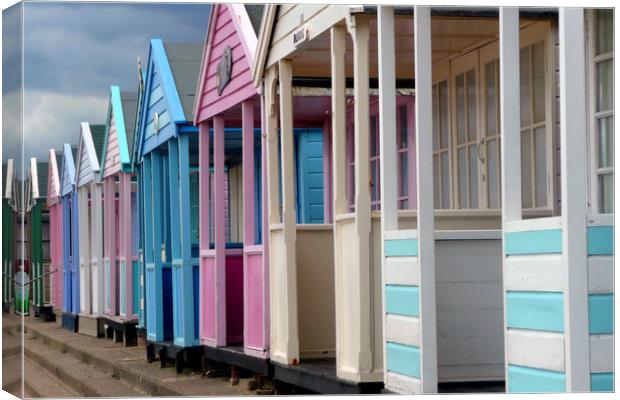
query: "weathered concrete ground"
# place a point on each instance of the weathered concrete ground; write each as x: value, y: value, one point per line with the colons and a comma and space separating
x: 58, y: 363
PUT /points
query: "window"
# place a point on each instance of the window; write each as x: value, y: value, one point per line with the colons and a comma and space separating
x: 602, y: 109
x: 375, y: 182
x: 441, y: 143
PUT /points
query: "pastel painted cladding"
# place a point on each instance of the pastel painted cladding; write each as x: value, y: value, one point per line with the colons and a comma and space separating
x: 403, y: 359
x: 602, y: 382
x: 535, y: 310
x: 600, y: 240
x: 402, y: 300
x: 535, y: 380
x: 600, y: 313
x: 112, y: 156
x: 401, y: 248
x: 546, y: 241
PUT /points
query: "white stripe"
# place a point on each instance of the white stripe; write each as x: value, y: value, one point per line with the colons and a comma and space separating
x: 601, y: 353
x: 600, y: 274
x: 403, y: 330
x: 402, y: 271
x: 533, y: 224
x: 535, y: 272
x: 535, y: 349
x: 401, y: 384
x: 401, y: 234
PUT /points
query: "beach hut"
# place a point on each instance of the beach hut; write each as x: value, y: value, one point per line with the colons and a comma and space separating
x: 414, y: 311
x: 70, y: 240
x: 9, y: 212
x: 122, y: 291
x: 168, y: 147
x: 90, y: 226
x: 558, y: 270
x: 54, y: 206
x: 38, y: 220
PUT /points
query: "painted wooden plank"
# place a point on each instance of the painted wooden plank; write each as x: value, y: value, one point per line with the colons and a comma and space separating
x: 402, y: 300
x: 403, y: 359
x: 167, y: 80
x: 602, y: 382
x: 402, y: 271
x: 533, y: 380
x: 533, y: 273
x: 600, y: 240
x: 600, y: 274
x: 601, y: 353
x: 399, y: 383
x: 402, y: 329
x: 535, y: 310
x: 535, y: 349
x: 601, y: 313
x: 533, y: 242
x: 401, y: 248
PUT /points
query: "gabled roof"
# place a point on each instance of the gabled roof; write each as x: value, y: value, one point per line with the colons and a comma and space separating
x: 184, y: 60
x: 8, y: 177
x: 68, y: 169
x: 91, y: 140
x: 264, y: 37
x: 129, y: 101
x: 53, y: 176
x: 123, y: 107
x: 246, y: 21
x: 135, y: 147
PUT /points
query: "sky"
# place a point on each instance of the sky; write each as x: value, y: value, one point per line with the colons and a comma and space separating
x: 72, y: 53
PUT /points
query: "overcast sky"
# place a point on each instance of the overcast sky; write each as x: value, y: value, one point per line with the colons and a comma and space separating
x: 72, y: 53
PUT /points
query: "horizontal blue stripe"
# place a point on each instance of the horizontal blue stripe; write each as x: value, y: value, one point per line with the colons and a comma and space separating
x: 600, y: 240
x: 546, y: 241
x: 403, y: 300
x: 601, y: 313
x: 401, y: 248
x: 534, y: 380
x: 602, y: 382
x: 403, y: 359
x: 535, y: 310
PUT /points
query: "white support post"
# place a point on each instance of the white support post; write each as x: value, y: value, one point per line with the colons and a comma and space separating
x: 573, y: 180
x: 271, y: 128
x: 510, y: 113
x: 424, y: 171
x: 339, y: 120
x: 289, y: 229
x: 97, y: 248
x: 361, y: 276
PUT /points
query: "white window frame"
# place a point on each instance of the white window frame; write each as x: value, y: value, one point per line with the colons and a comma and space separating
x: 593, y: 115
x: 441, y: 73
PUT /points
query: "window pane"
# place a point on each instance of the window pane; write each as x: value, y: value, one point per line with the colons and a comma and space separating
x: 472, y: 120
x: 443, y: 112
x: 435, y: 118
x: 436, y: 181
x: 445, y: 181
x: 491, y: 105
x: 492, y: 172
x: 374, y: 181
x: 526, y: 169
x: 606, y: 193
x: 373, y: 136
x: 604, y: 31
x: 460, y: 108
x: 525, y: 86
x: 402, y: 113
x: 462, y: 163
x: 540, y: 152
x: 473, y: 176
x: 404, y: 175
x: 605, y: 142
x: 538, y: 65
x: 604, y: 85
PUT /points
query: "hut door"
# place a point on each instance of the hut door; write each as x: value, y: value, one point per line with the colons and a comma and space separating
x: 310, y: 177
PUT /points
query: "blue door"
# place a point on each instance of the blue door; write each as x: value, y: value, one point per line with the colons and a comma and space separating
x: 309, y: 176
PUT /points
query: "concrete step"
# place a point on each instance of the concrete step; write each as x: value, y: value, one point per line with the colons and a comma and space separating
x: 12, y: 374
x: 40, y: 383
x: 84, y: 379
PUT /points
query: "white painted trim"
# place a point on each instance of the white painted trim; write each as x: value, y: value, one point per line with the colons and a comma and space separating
x: 535, y: 349
x: 402, y: 329
x: 402, y: 384
x: 242, y: 22
x: 263, y: 42
x: 601, y: 220
x: 534, y: 273
x: 600, y: 274
x: 574, y: 189
x: 401, y: 234
x: 601, y: 353
x: 34, y: 174
x: 8, y: 193
x: 424, y: 172
x: 401, y: 271
x: 534, y: 224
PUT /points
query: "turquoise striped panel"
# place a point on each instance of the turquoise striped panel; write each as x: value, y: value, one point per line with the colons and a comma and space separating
x: 534, y: 380
x: 401, y: 248
x: 533, y: 242
x: 403, y: 300
x: 600, y: 240
x: 602, y: 382
x: 535, y: 310
x: 601, y: 313
x: 403, y: 359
